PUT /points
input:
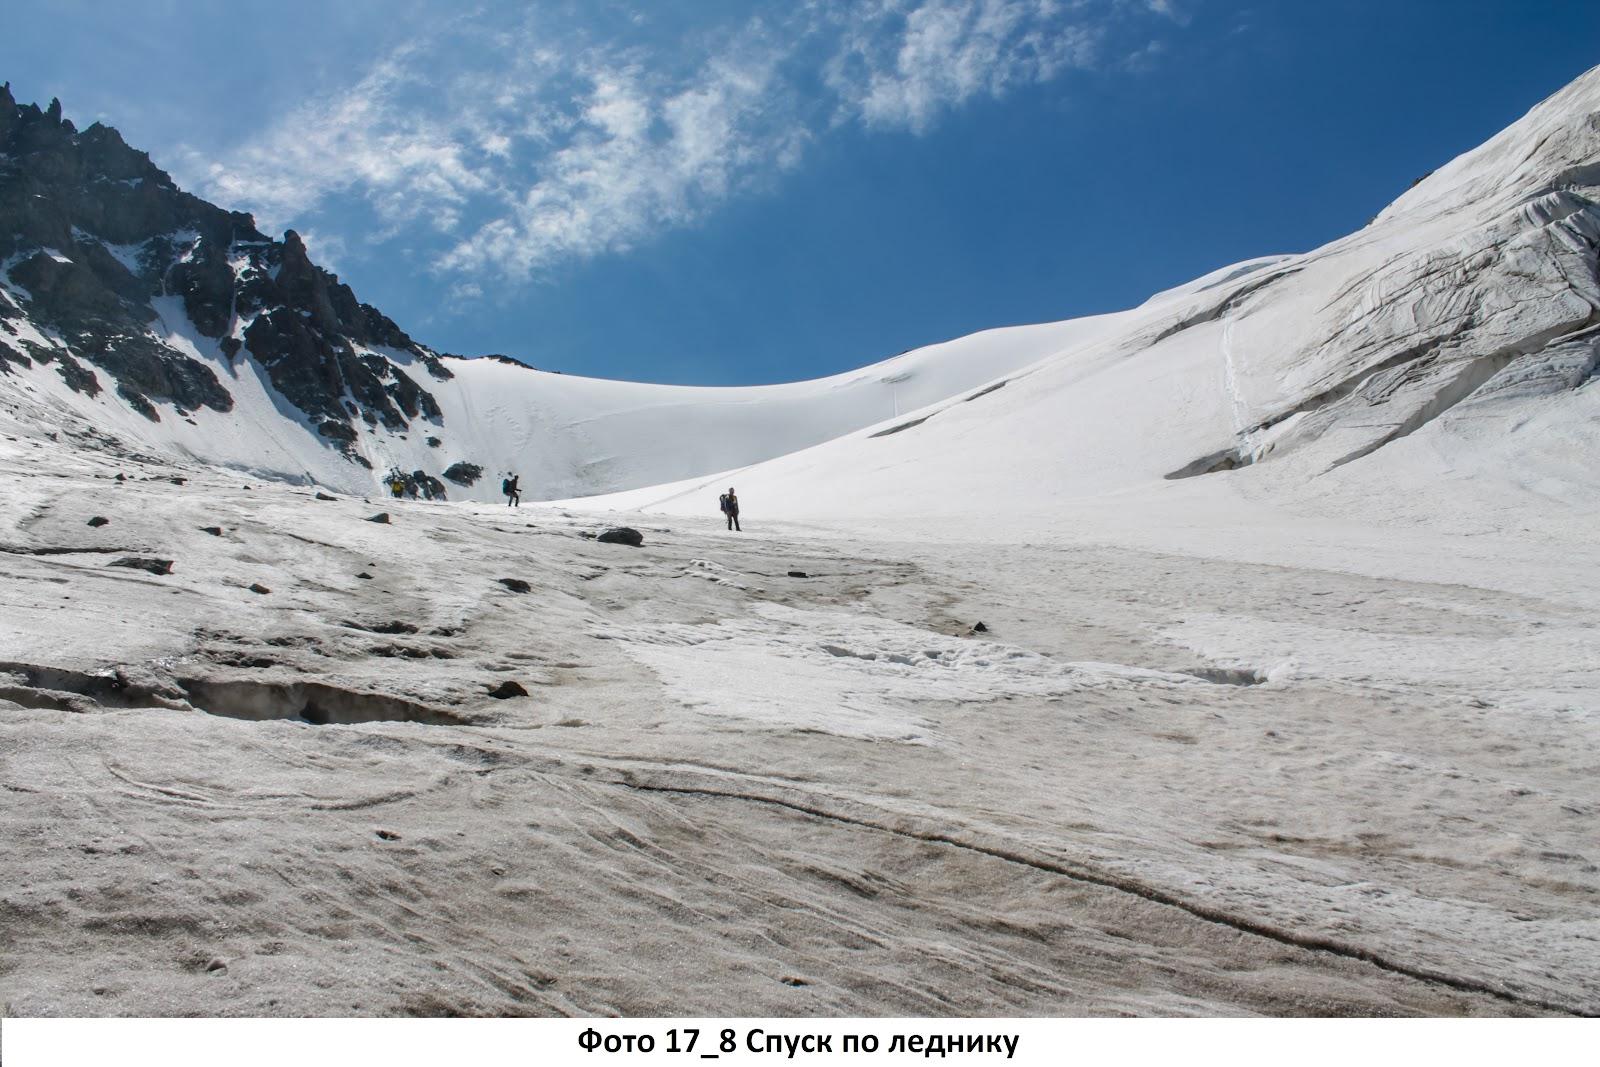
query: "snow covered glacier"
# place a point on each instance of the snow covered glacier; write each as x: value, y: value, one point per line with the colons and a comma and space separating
x: 1469, y: 302
x: 1445, y: 353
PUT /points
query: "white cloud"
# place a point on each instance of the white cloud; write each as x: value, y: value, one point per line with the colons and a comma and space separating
x: 1170, y: 9
x: 410, y: 164
x: 550, y: 147
x: 641, y: 157
x: 905, y: 65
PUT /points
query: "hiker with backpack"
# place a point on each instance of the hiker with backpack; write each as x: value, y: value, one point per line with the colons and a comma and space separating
x: 730, y: 508
x: 513, y: 494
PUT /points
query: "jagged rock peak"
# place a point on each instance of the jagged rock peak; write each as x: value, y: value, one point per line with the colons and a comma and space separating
x: 93, y: 236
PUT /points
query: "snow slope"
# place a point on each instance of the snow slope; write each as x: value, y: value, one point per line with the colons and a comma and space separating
x: 569, y: 435
x: 1435, y: 368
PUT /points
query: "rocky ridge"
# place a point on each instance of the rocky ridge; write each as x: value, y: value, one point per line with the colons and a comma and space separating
x: 92, y: 233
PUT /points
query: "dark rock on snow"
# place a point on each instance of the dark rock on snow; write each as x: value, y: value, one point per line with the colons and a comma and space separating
x: 507, y: 690
x: 98, y: 521
x: 622, y: 535
x: 463, y: 473
x: 418, y: 484
x: 380, y: 517
x: 257, y: 587
x: 516, y: 585
x: 798, y: 574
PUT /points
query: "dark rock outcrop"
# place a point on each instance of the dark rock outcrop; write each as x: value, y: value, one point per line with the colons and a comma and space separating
x: 10, y: 357
x: 463, y: 473
x: 621, y: 535
x: 96, y: 235
x: 430, y: 487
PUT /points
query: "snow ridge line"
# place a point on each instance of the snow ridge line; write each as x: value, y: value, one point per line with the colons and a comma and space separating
x: 1154, y: 894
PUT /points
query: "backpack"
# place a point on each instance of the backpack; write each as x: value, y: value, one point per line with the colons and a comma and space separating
x: 505, y: 486
x: 722, y: 502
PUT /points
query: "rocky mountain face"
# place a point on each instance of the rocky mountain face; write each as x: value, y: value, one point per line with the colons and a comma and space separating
x: 92, y: 233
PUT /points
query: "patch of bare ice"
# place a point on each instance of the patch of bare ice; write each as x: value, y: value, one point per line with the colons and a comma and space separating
x: 852, y: 675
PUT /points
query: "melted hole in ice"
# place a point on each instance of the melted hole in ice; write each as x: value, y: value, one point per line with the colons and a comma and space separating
x: 310, y: 702
x: 1227, y: 675
x: 395, y: 627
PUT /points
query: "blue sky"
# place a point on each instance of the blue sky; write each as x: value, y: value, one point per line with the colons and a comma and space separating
x: 717, y: 192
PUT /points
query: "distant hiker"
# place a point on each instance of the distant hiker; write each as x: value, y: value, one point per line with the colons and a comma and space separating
x: 730, y: 508
x: 513, y: 494
x: 397, y: 486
